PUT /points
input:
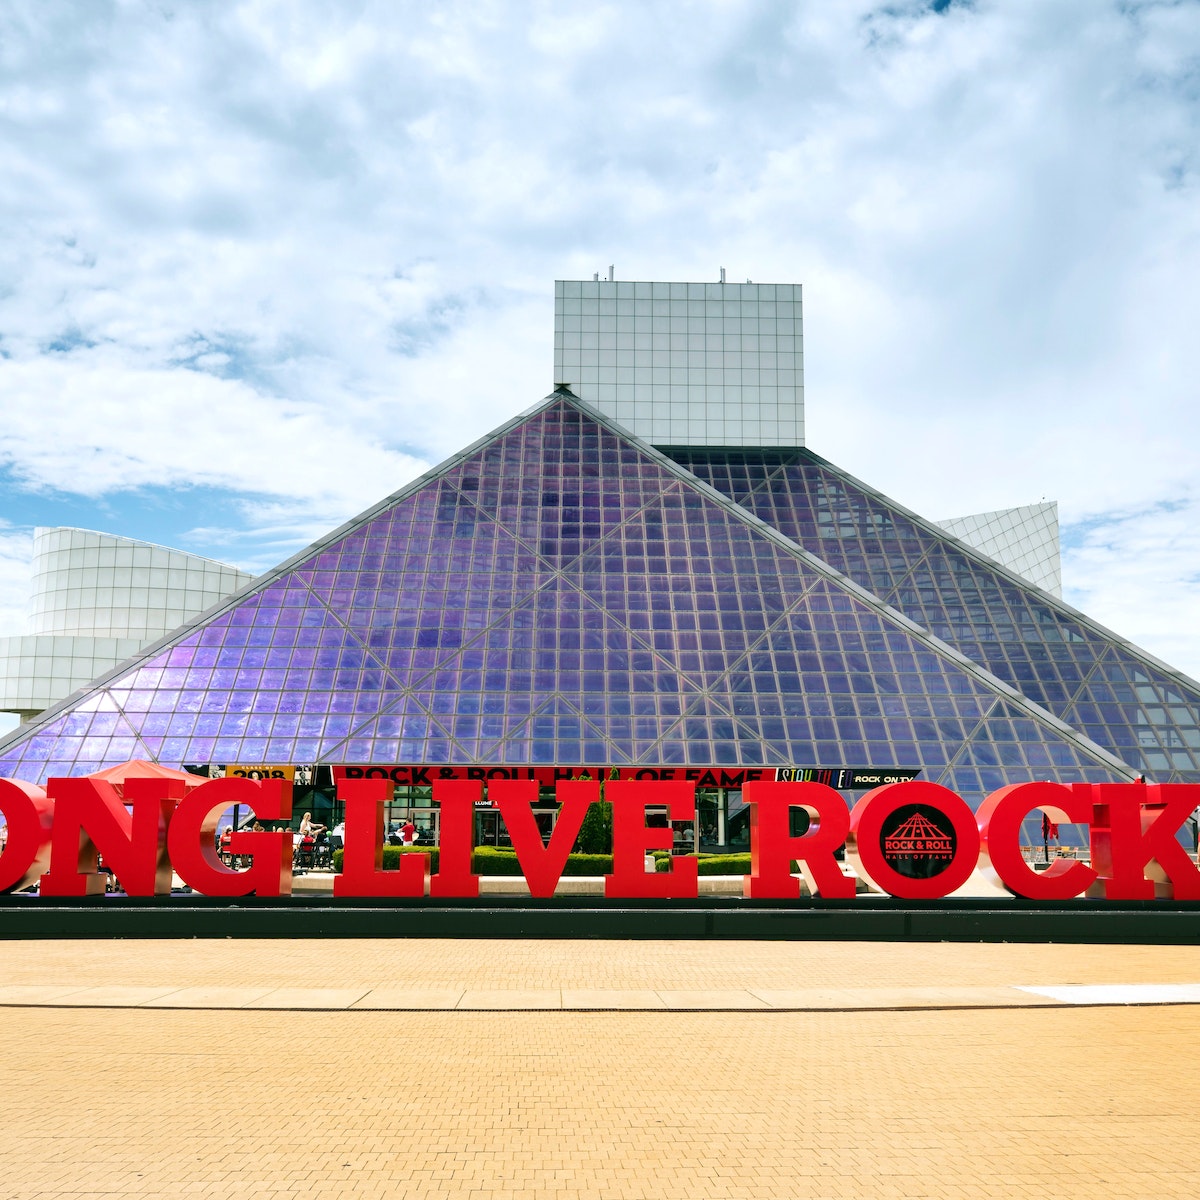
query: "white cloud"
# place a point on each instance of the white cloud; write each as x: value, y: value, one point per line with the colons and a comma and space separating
x: 324, y: 236
x: 1138, y: 573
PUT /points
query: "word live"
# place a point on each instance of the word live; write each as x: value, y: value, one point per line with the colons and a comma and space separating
x: 915, y: 840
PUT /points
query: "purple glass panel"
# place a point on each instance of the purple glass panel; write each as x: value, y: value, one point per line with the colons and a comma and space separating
x: 439, y: 630
x: 1010, y: 627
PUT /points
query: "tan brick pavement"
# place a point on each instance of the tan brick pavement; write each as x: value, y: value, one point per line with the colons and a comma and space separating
x: 480, y: 965
x: 1008, y: 1102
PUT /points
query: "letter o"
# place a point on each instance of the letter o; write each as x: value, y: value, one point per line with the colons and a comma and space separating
x: 866, y: 825
x: 29, y: 814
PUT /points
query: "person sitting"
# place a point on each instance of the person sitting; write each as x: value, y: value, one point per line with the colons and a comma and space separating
x: 322, y: 852
x: 305, y: 840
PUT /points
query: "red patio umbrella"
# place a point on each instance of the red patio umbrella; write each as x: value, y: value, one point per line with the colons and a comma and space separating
x: 139, y: 768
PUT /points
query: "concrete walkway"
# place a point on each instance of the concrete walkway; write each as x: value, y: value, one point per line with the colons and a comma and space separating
x: 312, y: 999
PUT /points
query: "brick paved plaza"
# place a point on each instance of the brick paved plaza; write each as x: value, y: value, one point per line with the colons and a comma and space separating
x: 885, y: 1087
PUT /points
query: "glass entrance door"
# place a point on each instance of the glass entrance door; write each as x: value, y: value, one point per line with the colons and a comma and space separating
x: 490, y: 829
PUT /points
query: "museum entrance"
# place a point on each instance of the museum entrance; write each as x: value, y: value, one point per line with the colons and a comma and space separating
x: 490, y: 829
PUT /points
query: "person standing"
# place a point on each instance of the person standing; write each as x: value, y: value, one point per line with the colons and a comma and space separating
x: 1049, y: 834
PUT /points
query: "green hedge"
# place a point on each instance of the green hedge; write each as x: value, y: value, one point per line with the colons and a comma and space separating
x: 725, y: 864
x: 489, y: 860
x: 708, y: 864
x: 391, y: 857
x: 589, y: 864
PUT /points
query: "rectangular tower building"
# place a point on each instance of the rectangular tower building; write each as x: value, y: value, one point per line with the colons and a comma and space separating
x: 686, y: 364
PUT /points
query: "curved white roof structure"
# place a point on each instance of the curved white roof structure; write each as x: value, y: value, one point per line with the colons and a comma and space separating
x: 97, y: 600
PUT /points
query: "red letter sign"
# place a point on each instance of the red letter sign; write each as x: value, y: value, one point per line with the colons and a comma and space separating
x: 1000, y: 818
x: 29, y: 816
x: 542, y: 865
x: 454, y: 875
x: 362, y: 862
x: 1134, y: 849
x: 192, y: 838
x: 924, y: 841
x: 632, y: 838
x: 772, y: 847
x: 89, y: 818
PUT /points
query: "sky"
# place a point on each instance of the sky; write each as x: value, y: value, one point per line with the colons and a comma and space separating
x: 262, y: 263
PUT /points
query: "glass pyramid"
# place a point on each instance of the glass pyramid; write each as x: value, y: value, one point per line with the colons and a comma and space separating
x: 560, y: 593
x: 1138, y: 709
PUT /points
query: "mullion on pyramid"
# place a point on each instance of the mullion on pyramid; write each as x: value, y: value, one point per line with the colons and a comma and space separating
x: 637, y: 491
x: 838, y: 522
x: 598, y: 748
x: 373, y: 663
x: 840, y: 715
x: 405, y: 732
x: 735, y: 473
x: 629, y: 520
x: 458, y: 713
x: 1011, y: 628
x: 992, y: 622
x: 694, y: 738
x: 515, y: 745
x: 556, y: 731
x: 637, y: 593
x: 531, y: 740
x: 557, y: 734
x: 471, y: 648
x: 747, y: 657
x: 1156, y: 722
x: 436, y: 569
x: 886, y: 582
x: 714, y: 685
x: 374, y: 721
x: 1008, y: 746
x: 219, y: 679
x: 423, y: 735
x: 557, y: 642
x: 83, y: 739
x: 643, y: 690
x: 562, y: 484
x: 492, y: 679
x: 690, y: 581
x: 752, y: 748
x: 709, y: 735
x: 980, y: 726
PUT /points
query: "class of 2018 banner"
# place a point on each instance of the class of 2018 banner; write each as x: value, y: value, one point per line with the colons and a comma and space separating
x: 914, y: 840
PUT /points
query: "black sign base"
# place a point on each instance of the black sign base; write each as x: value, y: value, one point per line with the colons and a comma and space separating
x: 874, y: 919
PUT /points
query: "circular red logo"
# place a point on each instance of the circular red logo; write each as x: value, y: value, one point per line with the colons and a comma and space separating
x: 916, y: 840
